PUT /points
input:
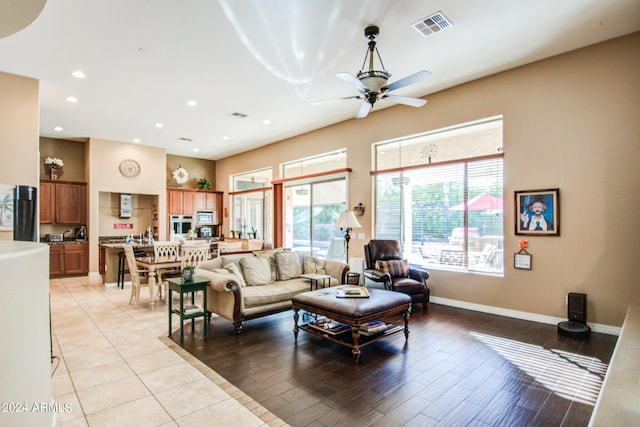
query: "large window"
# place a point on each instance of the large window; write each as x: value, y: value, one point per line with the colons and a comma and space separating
x: 442, y: 201
x: 252, y: 202
x: 315, y: 194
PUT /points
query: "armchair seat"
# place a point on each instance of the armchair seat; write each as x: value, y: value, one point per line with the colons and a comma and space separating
x: 385, y: 266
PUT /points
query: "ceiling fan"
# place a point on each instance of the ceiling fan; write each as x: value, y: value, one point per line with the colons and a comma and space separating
x: 372, y: 84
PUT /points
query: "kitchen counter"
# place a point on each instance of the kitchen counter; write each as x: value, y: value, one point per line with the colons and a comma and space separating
x: 66, y: 242
x: 120, y: 245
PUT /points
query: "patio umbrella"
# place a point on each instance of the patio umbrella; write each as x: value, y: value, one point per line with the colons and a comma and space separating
x: 482, y: 202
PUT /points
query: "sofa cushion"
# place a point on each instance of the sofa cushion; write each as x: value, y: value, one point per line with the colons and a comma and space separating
x: 395, y: 267
x: 233, y: 269
x: 211, y: 264
x: 256, y: 270
x: 270, y: 254
x: 234, y: 258
x: 288, y: 264
x: 256, y: 296
x: 313, y: 265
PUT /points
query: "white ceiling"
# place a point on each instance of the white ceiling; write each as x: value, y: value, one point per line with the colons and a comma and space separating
x: 268, y: 59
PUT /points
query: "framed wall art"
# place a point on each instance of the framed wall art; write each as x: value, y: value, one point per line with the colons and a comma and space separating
x: 6, y: 207
x: 538, y: 212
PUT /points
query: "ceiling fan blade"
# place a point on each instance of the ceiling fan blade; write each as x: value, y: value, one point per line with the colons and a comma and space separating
x: 324, y: 101
x: 409, y: 80
x: 364, y: 110
x: 353, y: 80
x: 413, y: 102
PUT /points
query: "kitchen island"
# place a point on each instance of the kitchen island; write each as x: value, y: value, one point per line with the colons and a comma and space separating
x: 109, y: 251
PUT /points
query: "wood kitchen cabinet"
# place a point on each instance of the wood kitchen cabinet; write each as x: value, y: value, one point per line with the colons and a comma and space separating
x: 47, y: 202
x: 56, y: 260
x: 63, y: 202
x: 68, y: 259
x: 180, y: 201
x: 189, y: 201
x: 75, y: 259
x: 204, y: 201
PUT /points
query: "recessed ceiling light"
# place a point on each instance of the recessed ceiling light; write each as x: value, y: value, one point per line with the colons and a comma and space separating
x: 192, y: 103
x: 195, y: 150
x: 159, y: 125
x: 79, y: 74
x: 266, y: 122
x: 58, y: 129
x: 72, y: 99
x: 226, y: 138
x: 136, y: 140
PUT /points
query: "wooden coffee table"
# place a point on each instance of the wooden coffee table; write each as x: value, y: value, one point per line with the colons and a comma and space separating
x: 354, y: 312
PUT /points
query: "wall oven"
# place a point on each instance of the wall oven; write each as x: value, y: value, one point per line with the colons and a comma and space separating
x: 179, y: 226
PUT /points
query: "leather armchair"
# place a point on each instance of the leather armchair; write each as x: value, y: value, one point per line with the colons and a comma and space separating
x: 414, y: 282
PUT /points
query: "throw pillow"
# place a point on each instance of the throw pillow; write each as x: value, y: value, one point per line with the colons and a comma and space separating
x: 312, y: 265
x: 233, y: 268
x: 271, y: 255
x: 256, y: 270
x: 395, y: 267
x: 288, y: 264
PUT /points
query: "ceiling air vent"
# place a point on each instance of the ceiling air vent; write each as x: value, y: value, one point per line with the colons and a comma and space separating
x: 183, y: 139
x: 433, y: 24
x: 239, y: 115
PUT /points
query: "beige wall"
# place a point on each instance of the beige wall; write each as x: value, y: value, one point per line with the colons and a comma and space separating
x: 197, y: 169
x: 70, y: 152
x: 19, y: 120
x: 103, y: 160
x: 569, y: 122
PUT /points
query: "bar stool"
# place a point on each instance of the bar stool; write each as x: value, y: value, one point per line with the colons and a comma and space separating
x: 122, y: 266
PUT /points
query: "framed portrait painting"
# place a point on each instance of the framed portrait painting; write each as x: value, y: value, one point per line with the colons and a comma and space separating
x: 538, y: 212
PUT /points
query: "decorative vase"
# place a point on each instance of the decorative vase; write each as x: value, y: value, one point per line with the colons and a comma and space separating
x: 187, y: 275
x: 53, y: 173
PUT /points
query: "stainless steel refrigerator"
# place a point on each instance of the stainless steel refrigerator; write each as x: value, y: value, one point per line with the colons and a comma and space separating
x: 25, y: 213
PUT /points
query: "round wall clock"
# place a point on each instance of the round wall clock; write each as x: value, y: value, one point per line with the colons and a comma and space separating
x: 129, y: 168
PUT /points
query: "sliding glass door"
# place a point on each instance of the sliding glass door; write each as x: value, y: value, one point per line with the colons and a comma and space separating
x: 311, y: 211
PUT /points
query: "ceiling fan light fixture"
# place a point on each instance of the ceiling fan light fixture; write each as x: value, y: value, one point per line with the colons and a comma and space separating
x: 374, y: 80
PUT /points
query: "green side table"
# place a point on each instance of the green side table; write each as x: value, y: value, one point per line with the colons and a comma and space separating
x: 177, y: 284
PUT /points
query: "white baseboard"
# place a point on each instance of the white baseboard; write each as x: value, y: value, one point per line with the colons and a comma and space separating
x: 523, y: 315
x: 94, y: 274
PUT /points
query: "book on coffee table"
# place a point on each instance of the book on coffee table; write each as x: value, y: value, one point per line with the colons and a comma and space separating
x: 352, y: 292
x: 373, y: 327
x: 330, y: 327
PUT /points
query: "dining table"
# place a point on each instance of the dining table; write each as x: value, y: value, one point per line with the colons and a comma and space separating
x: 153, y: 265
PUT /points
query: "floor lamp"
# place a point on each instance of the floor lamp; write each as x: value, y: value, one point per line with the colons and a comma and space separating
x: 347, y: 222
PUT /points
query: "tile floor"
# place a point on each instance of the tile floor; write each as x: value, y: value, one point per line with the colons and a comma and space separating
x: 116, y: 366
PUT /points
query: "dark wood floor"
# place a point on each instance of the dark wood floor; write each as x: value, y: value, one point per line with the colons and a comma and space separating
x: 458, y: 368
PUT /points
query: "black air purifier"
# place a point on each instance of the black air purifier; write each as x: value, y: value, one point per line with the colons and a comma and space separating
x: 576, y: 326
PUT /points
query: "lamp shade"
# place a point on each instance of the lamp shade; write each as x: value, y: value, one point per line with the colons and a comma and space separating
x: 347, y: 220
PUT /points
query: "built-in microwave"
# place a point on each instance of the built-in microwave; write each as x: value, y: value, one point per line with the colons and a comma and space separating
x: 180, y: 226
x: 206, y: 218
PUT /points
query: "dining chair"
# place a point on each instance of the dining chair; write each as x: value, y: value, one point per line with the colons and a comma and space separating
x: 224, y: 247
x: 194, y: 254
x: 169, y: 250
x: 137, y: 280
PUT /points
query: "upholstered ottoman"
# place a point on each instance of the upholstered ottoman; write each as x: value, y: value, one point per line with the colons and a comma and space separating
x: 354, y: 312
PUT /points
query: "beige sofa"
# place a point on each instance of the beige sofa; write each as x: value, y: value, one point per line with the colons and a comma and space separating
x: 251, y: 285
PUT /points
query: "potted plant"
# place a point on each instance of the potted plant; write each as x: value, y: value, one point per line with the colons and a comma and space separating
x: 254, y: 232
x: 204, y: 184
